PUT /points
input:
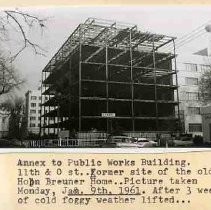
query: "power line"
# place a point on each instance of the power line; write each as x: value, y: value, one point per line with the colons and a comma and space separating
x: 191, y: 35
x: 196, y: 29
x: 199, y: 31
x: 191, y: 39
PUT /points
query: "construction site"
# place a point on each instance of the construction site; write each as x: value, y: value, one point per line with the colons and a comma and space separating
x: 111, y: 77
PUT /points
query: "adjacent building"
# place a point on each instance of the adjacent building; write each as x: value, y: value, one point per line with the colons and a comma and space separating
x: 190, y: 69
x: 110, y: 76
x: 33, y: 110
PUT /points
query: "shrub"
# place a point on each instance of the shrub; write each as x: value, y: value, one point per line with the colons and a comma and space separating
x: 198, y: 140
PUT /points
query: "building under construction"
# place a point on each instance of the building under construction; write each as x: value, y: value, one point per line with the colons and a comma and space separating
x: 111, y: 76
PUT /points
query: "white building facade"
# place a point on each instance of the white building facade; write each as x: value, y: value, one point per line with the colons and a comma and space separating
x: 33, y: 111
x: 190, y: 69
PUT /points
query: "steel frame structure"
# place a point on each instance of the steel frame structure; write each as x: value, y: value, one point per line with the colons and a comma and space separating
x: 106, y: 45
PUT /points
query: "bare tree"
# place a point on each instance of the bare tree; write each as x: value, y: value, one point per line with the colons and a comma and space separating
x: 21, y: 23
x: 9, y: 78
x: 16, y: 24
x: 205, y: 87
x: 14, y: 109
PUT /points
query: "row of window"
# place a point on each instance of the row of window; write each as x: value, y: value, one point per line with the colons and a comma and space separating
x: 192, y: 96
x: 191, y: 81
x: 34, y: 104
x: 35, y: 97
x: 195, y: 67
x: 195, y: 127
x: 194, y: 110
x: 34, y: 111
x: 33, y: 125
x: 34, y: 118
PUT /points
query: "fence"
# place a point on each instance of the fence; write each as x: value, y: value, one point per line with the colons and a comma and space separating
x: 91, y: 139
x: 152, y: 135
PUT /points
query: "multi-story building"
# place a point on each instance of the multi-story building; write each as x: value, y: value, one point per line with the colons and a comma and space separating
x: 110, y: 76
x: 190, y: 69
x: 33, y: 110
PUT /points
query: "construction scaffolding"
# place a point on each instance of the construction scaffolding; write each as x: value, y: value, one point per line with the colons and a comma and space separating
x: 107, y: 68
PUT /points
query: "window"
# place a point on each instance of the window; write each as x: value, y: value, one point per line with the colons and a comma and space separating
x: 33, y: 104
x: 193, y: 110
x: 191, y: 81
x: 32, y: 125
x: 39, y: 111
x: 195, y: 127
x: 33, y: 97
x: 204, y: 68
x: 190, y: 67
x: 40, y: 98
x: 192, y: 96
x: 181, y: 113
x: 3, y: 119
x: 32, y: 111
x: 32, y: 118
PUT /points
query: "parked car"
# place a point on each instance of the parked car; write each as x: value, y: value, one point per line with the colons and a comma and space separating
x: 131, y: 142
x: 122, y: 141
x: 184, y: 140
x: 144, y: 142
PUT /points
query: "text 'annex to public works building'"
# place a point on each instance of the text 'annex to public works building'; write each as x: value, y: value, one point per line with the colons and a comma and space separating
x: 110, y: 76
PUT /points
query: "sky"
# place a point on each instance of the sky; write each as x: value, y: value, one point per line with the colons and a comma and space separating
x: 168, y: 20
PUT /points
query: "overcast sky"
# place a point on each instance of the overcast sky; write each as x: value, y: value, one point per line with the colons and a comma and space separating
x: 172, y: 20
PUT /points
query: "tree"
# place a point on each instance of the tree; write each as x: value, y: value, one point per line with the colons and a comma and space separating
x: 20, y: 23
x: 15, y: 109
x: 205, y: 87
x: 16, y: 23
x: 9, y: 78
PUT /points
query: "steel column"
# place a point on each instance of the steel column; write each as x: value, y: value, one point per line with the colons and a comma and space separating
x: 155, y: 85
x: 107, y: 96
x: 79, y: 84
x: 175, y: 66
x: 131, y: 78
